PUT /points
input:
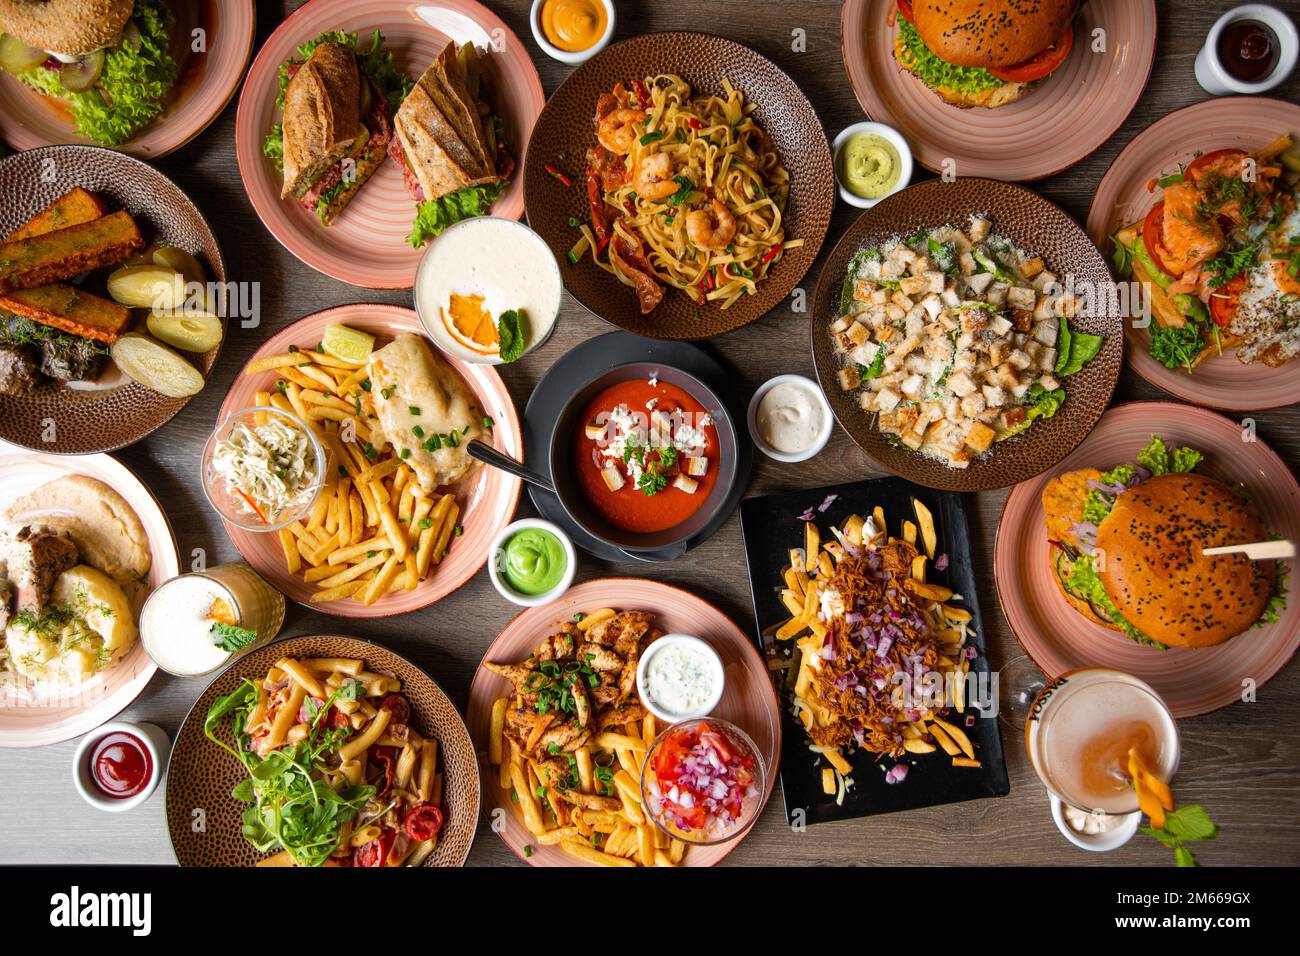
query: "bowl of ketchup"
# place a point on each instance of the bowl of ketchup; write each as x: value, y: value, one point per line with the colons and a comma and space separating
x: 118, y: 766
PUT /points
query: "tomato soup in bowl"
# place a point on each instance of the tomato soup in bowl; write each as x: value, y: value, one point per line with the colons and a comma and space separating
x: 643, y: 456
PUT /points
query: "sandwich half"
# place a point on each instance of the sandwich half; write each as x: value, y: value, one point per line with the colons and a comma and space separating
x: 448, y: 144
x: 336, y: 127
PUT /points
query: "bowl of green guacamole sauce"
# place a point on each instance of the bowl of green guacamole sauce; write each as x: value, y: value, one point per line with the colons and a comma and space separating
x: 532, y: 562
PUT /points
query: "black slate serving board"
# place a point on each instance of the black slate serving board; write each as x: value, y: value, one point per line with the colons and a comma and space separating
x: 771, y: 526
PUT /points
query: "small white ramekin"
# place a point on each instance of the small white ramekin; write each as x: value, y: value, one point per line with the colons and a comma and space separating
x: 828, y: 419
x: 572, y: 57
x: 663, y: 644
x: 904, y: 160
x: 496, y: 554
x: 1214, y: 79
x: 1112, y: 839
x: 155, y: 741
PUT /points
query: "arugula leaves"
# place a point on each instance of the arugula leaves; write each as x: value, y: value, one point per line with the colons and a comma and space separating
x: 289, y: 805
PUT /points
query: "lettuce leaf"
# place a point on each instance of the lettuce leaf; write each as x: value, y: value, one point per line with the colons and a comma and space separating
x: 1084, y: 580
x: 938, y: 72
x: 1160, y: 460
x: 435, y: 215
x: 133, y: 88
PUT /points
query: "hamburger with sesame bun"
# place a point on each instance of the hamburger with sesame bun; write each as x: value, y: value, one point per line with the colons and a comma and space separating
x: 1126, y: 551
x: 110, y: 61
x: 985, y: 53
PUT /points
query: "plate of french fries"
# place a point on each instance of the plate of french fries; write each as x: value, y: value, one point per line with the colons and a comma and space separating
x: 563, y: 789
x: 866, y: 602
x: 376, y: 542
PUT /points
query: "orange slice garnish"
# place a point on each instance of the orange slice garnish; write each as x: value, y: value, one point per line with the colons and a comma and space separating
x: 471, y: 324
x: 222, y: 612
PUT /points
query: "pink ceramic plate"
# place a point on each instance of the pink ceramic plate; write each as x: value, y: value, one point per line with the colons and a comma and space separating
x: 35, y: 723
x: 749, y: 701
x: 1066, y: 118
x: 366, y: 245
x: 487, y: 500
x: 1059, y: 639
x: 1245, y: 122
x: 206, y: 84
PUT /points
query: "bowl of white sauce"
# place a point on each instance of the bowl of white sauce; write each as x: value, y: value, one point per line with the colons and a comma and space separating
x: 484, y: 281
x: 680, y: 677
x: 790, y: 419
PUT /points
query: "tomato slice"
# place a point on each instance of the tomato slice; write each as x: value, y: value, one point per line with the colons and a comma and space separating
x: 423, y: 821
x: 1207, y: 160
x: 905, y: 10
x: 375, y: 852
x: 1223, y: 301
x: 1152, y: 229
x: 1037, y: 67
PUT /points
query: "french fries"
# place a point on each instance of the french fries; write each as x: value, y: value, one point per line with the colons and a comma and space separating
x: 594, y: 814
x: 373, y: 530
x: 914, y: 731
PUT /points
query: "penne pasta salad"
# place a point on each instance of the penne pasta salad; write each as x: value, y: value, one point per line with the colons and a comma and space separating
x: 337, y: 775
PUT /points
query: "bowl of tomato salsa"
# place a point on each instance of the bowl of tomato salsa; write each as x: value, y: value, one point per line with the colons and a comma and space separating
x: 643, y: 457
x: 703, y: 781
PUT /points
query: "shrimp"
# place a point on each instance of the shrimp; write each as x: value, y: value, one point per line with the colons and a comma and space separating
x: 711, y: 228
x: 654, y: 177
x: 620, y: 129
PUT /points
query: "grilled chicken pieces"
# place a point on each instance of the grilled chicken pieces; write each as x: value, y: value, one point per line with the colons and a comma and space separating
x: 577, y: 684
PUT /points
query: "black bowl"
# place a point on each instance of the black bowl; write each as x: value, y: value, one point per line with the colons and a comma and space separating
x: 569, y: 490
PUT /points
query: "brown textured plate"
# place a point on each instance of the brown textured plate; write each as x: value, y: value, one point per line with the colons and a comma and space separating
x: 564, y: 133
x: 200, y: 775
x: 1032, y: 223
x: 53, y: 418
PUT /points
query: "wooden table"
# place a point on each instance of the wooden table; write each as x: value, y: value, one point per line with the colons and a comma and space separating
x: 1242, y: 763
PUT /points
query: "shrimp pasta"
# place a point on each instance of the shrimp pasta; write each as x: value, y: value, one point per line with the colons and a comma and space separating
x: 684, y: 190
x: 337, y: 774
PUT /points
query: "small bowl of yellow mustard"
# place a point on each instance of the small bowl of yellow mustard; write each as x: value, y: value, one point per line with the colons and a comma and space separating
x: 572, y: 31
x: 872, y: 161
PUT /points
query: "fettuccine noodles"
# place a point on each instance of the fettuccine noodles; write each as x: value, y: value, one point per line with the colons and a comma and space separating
x: 700, y: 189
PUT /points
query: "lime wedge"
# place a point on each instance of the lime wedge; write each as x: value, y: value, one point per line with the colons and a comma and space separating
x: 347, y: 345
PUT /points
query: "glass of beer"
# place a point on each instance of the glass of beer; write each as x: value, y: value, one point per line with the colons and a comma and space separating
x: 197, y: 622
x: 1081, y: 729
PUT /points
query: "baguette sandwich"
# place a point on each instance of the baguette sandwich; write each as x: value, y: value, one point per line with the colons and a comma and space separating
x: 448, y: 144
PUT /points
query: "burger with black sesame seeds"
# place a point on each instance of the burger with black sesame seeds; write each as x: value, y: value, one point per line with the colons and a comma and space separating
x: 985, y: 53
x: 1126, y: 549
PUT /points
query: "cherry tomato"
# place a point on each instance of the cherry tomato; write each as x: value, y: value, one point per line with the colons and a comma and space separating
x: 1037, y: 67
x: 1223, y: 302
x: 375, y: 852
x: 1152, y: 229
x: 423, y: 821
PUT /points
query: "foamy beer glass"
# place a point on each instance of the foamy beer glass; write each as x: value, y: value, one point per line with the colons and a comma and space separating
x: 1081, y: 728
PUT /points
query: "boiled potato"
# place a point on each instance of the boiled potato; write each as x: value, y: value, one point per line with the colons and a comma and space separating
x: 98, y: 601
x: 97, y: 629
x: 144, y: 257
x: 169, y: 257
x: 147, y: 287
x: 155, y: 366
x: 188, y: 331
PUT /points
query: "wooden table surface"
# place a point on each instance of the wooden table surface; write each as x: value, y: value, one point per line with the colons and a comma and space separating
x: 1242, y: 763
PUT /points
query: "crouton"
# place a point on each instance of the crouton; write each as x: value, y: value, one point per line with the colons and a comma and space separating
x: 979, y: 437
